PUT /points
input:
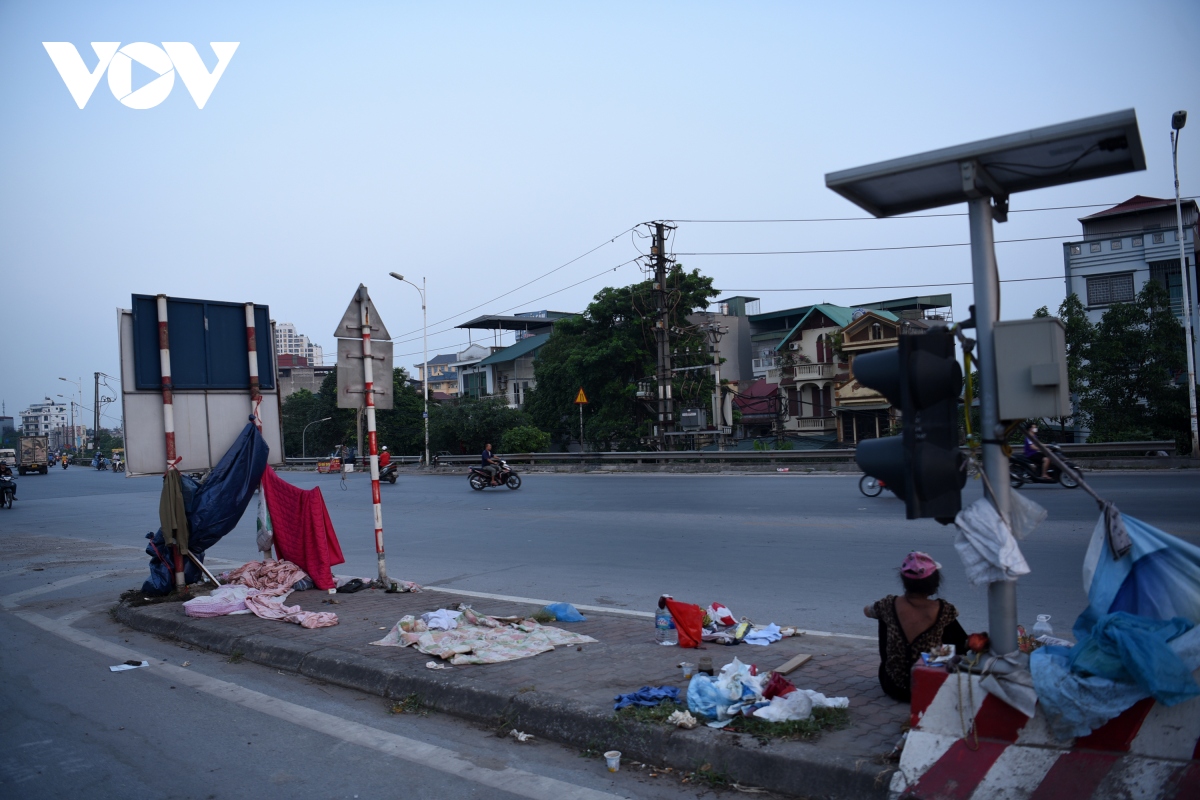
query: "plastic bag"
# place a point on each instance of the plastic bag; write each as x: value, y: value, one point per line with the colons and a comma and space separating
x: 565, y: 612
x: 704, y: 699
x: 987, y: 546
x: 786, y: 708
x: 688, y: 622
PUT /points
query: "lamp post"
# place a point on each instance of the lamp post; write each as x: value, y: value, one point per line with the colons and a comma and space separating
x: 303, y: 433
x: 424, y: 355
x: 1178, y: 120
x: 79, y: 385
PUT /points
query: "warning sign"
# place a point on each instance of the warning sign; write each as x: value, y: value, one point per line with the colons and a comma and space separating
x: 581, y: 398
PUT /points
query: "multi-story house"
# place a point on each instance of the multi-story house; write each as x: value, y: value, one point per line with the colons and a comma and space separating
x: 864, y: 413
x: 288, y: 340
x: 1127, y: 245
x: 443, y: 374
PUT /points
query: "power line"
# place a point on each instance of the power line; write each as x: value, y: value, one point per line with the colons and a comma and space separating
x: 901, y: 286
x: 907, y: 216
x: 868, y: 249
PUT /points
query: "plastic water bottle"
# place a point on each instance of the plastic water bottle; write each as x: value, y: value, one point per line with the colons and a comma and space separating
x: 664, y: 626
x: 1042, y: 626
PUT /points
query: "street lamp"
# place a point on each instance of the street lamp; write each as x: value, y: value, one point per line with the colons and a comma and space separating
x: 1178, y: 120
x: 424, y: 355
x: 74, y: 433
x: 303, y: 433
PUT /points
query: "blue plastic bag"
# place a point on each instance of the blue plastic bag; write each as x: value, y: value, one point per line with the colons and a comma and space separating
x: 704, y: 699
x: 565, y: 612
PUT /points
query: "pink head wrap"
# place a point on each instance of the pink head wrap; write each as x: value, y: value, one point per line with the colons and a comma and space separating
x: 918, y: 565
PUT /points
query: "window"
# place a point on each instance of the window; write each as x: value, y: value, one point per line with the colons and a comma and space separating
x: 1103, y: 290
x: 1115, y: 244
x: 1158, y: 238
x: 876, y: 331
x: 1137, y: 241
x: 1095, y: 247
x: 1167, y: 275
x: 1076, y: 249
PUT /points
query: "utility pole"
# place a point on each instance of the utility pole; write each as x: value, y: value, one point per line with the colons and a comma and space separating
x: 96, y: 410
x: 1178, y: 119
x: 662, y: 334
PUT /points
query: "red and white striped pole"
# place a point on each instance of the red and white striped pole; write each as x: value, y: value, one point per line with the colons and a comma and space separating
x: 369, y: 395
x: 164, y: 363
x: 252, y: 350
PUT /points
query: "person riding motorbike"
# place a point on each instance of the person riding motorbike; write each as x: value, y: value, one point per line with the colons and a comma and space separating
x: 385, y: 457
x: 491, y: 464
x: 6, y: 472
x: 1035, y: 455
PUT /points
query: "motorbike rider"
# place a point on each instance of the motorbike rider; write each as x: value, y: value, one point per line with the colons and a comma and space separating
x: 385, y: 458
x: 491, y: 464
x: 6, y: 472
x: 1035, y: 455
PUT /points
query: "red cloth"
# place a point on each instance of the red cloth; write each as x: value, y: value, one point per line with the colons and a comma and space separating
x: 689, y: 622
x: 304, y: 533
x: 778, y: 686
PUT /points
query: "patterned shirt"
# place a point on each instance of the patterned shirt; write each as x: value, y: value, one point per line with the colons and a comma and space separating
x: 898, y: 654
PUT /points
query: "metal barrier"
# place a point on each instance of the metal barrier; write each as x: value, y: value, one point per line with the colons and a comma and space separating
x: 360, y: 463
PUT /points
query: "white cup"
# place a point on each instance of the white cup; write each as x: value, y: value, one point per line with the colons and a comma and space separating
x: 613, y: 757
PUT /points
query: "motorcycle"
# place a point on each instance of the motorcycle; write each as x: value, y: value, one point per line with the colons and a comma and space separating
x: 64, y: 463
x: 8, y: 490
x: 480, y: 480
x: 118, y: 465
x: 100, y: 464
x: 1023, y: 470
x: 388, y: 473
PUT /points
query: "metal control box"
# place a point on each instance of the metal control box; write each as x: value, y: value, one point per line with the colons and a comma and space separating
x: 1031, y: 368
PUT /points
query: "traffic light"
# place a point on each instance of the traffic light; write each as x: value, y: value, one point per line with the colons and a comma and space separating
x: 923, y: 464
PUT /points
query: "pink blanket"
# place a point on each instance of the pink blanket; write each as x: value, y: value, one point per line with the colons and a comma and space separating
x: 304, y: 533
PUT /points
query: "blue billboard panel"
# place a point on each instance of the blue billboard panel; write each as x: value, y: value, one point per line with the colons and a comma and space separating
x: 208, y: 344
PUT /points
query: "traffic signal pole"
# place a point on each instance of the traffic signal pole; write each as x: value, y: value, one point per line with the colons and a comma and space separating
x: 1002, y: 595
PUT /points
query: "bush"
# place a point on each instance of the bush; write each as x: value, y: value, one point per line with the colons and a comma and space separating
x: 524, y: 439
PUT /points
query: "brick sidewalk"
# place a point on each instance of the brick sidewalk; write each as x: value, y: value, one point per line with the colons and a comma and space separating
x: 567, y: 694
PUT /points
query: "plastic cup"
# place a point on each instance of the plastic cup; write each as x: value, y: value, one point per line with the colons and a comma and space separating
x: 689, y: 669
x: 613, y: 758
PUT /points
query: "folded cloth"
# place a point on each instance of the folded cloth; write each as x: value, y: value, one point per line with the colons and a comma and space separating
x: 764, y: 636
x: 441, y: 620
x: 1008, y: 679
x: 272, y: 577
x: 272, y: 607
x: 647, y: 696
x: 222, y: 601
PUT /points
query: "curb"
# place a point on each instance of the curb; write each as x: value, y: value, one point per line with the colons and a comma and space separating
x: 793, y: 768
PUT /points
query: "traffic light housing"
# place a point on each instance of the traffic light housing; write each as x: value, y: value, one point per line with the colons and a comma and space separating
x: 923, y: 464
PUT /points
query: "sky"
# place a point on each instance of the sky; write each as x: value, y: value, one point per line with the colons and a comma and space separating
x: 483, y: 145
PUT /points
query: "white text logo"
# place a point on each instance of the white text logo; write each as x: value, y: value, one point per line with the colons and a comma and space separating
x: 165, y: 61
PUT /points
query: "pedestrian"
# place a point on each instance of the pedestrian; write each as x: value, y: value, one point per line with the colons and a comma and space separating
x: 913, y: 623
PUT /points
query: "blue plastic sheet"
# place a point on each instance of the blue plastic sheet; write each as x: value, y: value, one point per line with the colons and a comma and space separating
x: 1138, y: 606
x: 213, y: 508
x: 647, y: 696
x: 565, y: 612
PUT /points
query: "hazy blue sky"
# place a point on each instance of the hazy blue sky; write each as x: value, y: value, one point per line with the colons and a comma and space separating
x: 482, y: 145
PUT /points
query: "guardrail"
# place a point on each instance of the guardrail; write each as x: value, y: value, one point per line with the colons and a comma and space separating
x: 360, y: 463
x: 762, y: 456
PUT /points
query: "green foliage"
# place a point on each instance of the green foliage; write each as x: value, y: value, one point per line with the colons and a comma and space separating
x: 401, y: 428
x: 607, y: 351
x: 1131, y: 371
x: 524, y: 439
x: 466, y: 425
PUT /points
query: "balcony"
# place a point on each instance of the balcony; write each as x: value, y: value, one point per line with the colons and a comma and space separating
x: 814, y: 371
x: 760, y: 367
x: 817, y: 423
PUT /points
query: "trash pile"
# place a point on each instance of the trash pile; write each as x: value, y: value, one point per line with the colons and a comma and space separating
x: 462, y: 636
x: 688, y: 625
x: 740, y: 690
x: 259, y: 588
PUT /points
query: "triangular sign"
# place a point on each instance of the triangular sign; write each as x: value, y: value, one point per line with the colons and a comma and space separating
x: 581, y: 398
x: 351, y: 325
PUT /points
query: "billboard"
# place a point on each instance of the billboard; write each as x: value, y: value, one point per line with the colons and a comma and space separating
x: 211, y: 379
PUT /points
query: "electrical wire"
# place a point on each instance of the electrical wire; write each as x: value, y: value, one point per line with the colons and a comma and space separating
x: 868, y: 249
x: 900, y: 286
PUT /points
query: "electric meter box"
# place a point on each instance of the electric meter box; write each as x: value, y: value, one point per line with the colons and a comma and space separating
x: 1031, y: 368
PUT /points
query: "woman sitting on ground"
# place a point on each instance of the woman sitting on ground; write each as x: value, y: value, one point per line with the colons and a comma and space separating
x: 913, y: 624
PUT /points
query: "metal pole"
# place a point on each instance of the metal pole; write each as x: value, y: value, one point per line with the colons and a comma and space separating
x: 96, y: 408
x: 580, y: 427
x: 1002, y: 595
x: 369, y: 395
x: 252, y: 355
x: 425, y: 371
x: 1189, y: 333
x: 164, y: 362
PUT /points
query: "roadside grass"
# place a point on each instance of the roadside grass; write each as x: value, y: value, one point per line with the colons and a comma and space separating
x: 823, y: 719
x: 410, y: 704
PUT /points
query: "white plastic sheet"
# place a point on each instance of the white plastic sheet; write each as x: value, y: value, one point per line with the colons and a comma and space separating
x: 987, y: 546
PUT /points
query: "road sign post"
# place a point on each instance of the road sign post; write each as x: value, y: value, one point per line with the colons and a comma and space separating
x: 581, y: 401
x: 360, y: 317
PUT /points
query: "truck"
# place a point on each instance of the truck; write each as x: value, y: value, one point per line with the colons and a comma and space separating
x: 34, y: 455
x: 8, y: 456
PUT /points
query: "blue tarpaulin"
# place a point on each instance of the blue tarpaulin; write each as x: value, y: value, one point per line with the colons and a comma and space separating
x: 213, y: 507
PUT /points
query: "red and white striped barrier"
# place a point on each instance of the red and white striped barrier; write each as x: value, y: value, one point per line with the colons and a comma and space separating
x: 1149, y: 751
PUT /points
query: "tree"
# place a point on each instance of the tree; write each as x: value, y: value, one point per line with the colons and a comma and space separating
x: 607, y: 351
x: 467, y: 424
x: 1133, y: 370
x: 524, y: 439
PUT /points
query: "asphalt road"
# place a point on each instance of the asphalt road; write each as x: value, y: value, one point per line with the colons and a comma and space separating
x: 802, y: 550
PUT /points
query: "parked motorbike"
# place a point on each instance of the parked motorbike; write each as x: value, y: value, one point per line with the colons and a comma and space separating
x: 1023, y: 470
x: 388, y: 473
x: 480, y: 480
x: 8, y: 490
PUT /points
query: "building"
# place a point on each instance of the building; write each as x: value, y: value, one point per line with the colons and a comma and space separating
x: 1127, y: 245
x: 6, y: 425
x: 296, y: 373
x: 443, y: 374
x: 41, y: 419
x: 512, y: 369
x: 289, y: 341
x: 504, y: 371
x: 864, y: 413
